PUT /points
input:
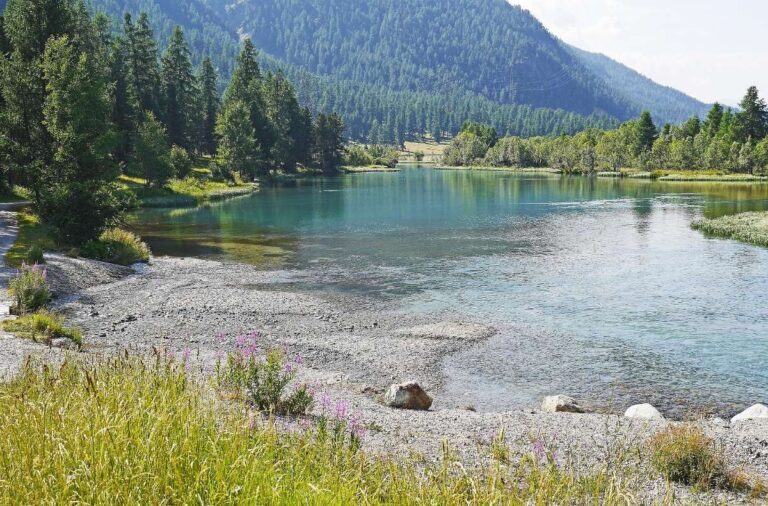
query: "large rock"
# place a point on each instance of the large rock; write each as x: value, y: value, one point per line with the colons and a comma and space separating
x: 560, y: 404
x: 644, y: 412
x: 407, y: 396
x: 756, y: 412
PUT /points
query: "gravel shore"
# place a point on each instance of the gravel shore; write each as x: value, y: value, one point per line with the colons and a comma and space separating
x: 353, y: 349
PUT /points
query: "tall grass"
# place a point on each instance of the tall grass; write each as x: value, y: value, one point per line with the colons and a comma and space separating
x: 746, y: 227
x: 131, y: 432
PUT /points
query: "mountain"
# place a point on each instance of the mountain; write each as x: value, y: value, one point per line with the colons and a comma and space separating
x: 664, y: 103
x: 396, y: 70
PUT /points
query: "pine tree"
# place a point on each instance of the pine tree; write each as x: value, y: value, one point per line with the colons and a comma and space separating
x: 645, y: 133
x: 80, y: 199
x: 246, y: 87
x: 178, y: 85
x: 207, y: 81
x: 142, y: 63
x: 753, y: 118
x: 124, y: 104
x: 714, y: 117
x: 329, y: 142
x: 151, y: 156
x: 282, y: 109
x: 238, y: 146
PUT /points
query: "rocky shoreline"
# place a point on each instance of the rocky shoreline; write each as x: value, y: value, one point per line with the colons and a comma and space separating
x: 353, y: 350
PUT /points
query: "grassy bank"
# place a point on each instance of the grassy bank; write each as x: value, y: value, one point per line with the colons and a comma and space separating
x: 746, y: 227
x: 15, y: 195
x: 367, y: 168
x: 32, y: 232
x: 188, y: 192
x: 135, y: 433
x: 531, y: 170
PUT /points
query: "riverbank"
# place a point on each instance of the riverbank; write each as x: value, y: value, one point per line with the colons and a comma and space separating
x: 368, y: 168
x: 533, y: 170
x: 751, y: 227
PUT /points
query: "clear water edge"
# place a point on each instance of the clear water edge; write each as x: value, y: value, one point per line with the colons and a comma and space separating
x: 599, y: 288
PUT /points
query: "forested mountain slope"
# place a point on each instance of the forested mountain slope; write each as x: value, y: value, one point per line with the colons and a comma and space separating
x: 396, y: 70
x: 665, y: 103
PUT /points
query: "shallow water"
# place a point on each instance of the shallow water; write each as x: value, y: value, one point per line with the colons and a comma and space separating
x: 599, y: 287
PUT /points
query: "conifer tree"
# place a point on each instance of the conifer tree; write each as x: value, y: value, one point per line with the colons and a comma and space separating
x: 210, y: 103
x: 753, y: 118
x: 178, y: 85
x: 142, y: 63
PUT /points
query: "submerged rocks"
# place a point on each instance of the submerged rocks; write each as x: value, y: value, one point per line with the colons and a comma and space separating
x: 561, y: 404
x: 644, y: 412
x: 407, y: 395
x: 756, y: 412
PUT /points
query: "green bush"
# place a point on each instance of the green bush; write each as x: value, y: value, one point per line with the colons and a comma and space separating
x: 684, y: 454
x: 263, y: 379
x: 117, y: 246
x: 29, y: 289
x: 42, y: 327
x: 80, y: 211
x: 35, y: 255
x: 357, y: 156
x: 181, y: 163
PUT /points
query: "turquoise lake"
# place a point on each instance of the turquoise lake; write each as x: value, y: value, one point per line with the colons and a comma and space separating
x: 599, y: 287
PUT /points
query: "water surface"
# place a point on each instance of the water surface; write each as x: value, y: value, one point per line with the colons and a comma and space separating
x: 599, y: 287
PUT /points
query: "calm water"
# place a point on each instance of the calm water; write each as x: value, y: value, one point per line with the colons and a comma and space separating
x: 599, y: 287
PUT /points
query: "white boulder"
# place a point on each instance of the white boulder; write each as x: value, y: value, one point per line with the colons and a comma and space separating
x: 756, y: 412
x: 644, y: 412
x: 407, y: 395
x: 560, y: 404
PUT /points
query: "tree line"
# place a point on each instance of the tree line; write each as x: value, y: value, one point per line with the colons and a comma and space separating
x: 726, y: 140
x: 81, y: 103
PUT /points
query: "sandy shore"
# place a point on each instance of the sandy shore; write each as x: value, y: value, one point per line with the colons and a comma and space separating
x: 352, y: 348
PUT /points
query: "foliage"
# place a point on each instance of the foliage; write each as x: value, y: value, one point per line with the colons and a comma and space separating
x: 151, y: 156
x: 486, y: 133
x: 117, y: 246
x: 136, y: 432
x: 81, y: 211
x: 29, y: 289
x: 35, y: 255
x: 264, y: 379
x: 746, y: 227
x: 43, y: 326
x: 465, y: 149
x: 717, y: 143
x: 180, y: 162
x: 686, y: 455
x: 357, y: 155
x: 32, y: 232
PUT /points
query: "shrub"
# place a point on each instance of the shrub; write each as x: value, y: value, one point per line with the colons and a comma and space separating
x: 684, y: 454
x: 117, y: 246
x: 80, y: 211
x: 29, y: 289
x: 181, y: 163
x: 35, y: 255
x: 42, y: 327
x: 264, y: 379
x: 357, y: 156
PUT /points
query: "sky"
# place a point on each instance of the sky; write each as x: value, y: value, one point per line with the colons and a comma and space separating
x: 710, y: 49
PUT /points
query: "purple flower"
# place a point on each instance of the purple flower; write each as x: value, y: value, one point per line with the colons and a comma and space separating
x: 299, y: 360
x: 340, y: 410
x: 185, y: 356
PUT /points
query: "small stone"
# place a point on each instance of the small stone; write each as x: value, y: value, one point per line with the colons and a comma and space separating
x: 756, y: 412
x: 560, y: 404
x: 407, y: 395
x: 644, y: 412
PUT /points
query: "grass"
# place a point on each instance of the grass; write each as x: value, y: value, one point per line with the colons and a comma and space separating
x: 126, y: 431
x: 43, y: 326
x: 32, y: 233
x: 117, y: 246
x: 685, y: 454
x: 188, y: 192
x: 17, y: 194
x: 749, y: 227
